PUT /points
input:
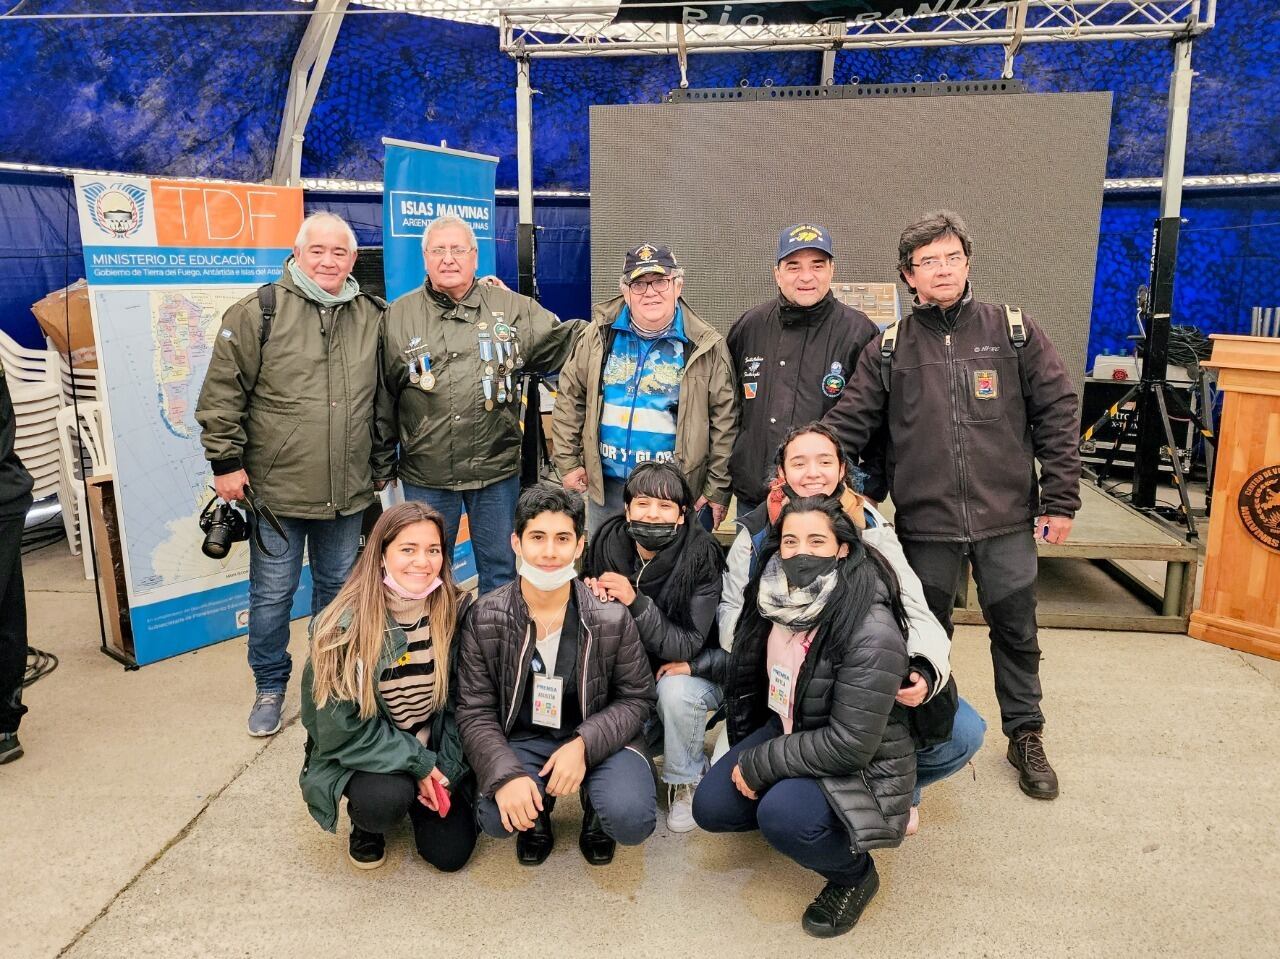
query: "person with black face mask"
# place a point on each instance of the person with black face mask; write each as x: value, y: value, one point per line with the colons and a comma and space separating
x: 821, y: 758
x: 667, y: 570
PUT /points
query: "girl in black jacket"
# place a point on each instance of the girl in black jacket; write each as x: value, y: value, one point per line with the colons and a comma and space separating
x: 821, y: 759
x: 667, y: 570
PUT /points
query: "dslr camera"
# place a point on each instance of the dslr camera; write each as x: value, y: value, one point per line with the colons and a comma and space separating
x: 224, y: 525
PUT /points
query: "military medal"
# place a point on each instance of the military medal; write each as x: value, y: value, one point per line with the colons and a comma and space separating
x: 426, y: 379
x: 413, y: 370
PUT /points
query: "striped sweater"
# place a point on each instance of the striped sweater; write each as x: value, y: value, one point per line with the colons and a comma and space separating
x: 408, y: 684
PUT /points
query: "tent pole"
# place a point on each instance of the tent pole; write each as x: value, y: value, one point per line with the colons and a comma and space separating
x: 525, y: 253
x: 305, y: 76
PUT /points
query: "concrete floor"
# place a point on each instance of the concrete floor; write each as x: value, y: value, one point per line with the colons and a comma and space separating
x: 144, y: 822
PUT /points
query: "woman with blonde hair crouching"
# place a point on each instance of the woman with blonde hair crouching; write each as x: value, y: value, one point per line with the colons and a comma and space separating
x: 378, y: 698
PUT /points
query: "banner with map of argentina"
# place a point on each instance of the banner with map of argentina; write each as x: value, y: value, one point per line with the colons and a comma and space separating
x: 164, y: 260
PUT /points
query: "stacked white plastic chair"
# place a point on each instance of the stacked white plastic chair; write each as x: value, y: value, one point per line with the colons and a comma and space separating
x: 81, y: 453
x: 37, y: 398
x: 82, y: 381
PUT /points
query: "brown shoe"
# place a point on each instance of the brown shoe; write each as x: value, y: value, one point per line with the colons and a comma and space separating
x: 1035, y: 775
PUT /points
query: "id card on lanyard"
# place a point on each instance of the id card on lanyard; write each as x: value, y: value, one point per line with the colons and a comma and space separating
x: 548, y: 696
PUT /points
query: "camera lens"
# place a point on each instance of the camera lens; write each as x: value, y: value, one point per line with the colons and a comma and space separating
x: 217, y: 542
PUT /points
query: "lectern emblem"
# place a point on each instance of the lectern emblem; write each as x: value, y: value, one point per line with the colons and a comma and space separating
x: 1259, y: 506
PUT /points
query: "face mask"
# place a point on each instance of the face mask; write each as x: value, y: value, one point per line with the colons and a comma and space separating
x: 801, y: 570
x: 403, y: 593
x: 653, y: 536
x: 546, y: 580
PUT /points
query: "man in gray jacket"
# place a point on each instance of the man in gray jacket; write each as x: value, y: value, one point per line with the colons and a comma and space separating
x: 973, y: 396
x: 287, y: 409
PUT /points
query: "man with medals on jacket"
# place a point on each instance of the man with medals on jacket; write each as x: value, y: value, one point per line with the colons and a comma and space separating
x: 453, y: 354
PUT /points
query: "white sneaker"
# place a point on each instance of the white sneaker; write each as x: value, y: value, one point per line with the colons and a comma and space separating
x: 680, y: 807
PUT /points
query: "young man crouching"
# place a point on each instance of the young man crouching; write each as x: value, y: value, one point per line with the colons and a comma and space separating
x: 554, y: 691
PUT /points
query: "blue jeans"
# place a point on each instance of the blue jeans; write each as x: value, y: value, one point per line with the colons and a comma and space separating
x: 331, y: 546
x: 620, y: 788
x: 793, y: 816
x: 491, y: 511
x: 683, y: 704
x: 940, y: 761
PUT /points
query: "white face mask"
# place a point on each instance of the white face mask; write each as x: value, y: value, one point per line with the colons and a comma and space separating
x: 546, y: 580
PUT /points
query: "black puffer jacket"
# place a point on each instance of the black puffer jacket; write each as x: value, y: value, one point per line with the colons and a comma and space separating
x: 848, y: 732
x: 616, y: 690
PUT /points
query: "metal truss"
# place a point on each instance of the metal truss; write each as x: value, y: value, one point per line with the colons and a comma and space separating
x: 309, y: 64
x: 588, y: 31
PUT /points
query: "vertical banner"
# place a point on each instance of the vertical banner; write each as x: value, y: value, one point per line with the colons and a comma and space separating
x: 421, y: 183
x: 164, y: 260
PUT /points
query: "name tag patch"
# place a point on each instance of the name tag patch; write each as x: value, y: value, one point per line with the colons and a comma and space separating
x: 986, y: 384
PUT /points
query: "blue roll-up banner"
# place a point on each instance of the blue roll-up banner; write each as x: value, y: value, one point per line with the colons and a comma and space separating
x: 421, y: 183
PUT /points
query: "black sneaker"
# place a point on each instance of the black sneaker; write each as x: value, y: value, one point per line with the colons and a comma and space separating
x: 1035, y: 775
x: 838, y: 908
x: 366, y: 850
x: 10, y: 748
x: 597, y: 845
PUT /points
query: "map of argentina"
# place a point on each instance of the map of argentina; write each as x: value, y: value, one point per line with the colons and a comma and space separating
x: 183, y: 327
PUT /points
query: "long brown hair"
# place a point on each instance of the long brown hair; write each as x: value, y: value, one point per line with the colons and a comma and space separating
x: 344, y: 660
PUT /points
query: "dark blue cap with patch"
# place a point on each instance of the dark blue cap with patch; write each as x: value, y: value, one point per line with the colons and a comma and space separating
x: 648, y: 258
x: 803, y: 236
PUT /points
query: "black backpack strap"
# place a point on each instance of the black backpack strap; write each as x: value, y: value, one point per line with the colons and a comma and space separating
x: 888, y: 343
x: 267, y: 304
x: 1018, y: 337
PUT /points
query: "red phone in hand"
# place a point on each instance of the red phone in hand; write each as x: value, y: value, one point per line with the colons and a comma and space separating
x: 442, y: 797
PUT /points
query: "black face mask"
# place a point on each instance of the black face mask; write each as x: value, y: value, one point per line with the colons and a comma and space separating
x: 801, y: 570
x: 653, y: 536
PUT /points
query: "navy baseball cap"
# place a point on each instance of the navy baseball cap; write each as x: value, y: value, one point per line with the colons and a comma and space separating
x: 648, y: 258
x: 803, y: 236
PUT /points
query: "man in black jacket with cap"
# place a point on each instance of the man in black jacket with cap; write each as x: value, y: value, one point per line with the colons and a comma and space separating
x: 792, y: 357
x: 15, y: 499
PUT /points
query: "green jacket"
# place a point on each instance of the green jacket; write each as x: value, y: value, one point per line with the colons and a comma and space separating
x: 706, y: 421
x: 448, y: 439
x: 339, y: 742
x: 297, y: 414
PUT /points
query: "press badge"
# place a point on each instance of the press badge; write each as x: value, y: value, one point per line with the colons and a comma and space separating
x: 780, y: 690
x: 548, y: 694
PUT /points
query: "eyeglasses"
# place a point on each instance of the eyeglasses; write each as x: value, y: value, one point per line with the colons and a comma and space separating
x: 640, y: 288
x: 931, y: 263
x: 457, y: 252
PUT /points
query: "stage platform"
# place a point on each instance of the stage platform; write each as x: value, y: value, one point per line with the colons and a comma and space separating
x: 1109, y: 536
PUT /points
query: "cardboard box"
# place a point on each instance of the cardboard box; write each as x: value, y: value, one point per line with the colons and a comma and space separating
x: 65, y: 307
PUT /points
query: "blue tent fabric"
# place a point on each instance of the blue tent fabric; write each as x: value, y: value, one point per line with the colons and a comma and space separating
x: 201, y: 97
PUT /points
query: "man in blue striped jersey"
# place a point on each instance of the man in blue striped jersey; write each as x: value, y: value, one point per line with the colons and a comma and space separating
x: 648, y: 380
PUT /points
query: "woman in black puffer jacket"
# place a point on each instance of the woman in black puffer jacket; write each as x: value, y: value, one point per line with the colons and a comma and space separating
x: 821, y: 758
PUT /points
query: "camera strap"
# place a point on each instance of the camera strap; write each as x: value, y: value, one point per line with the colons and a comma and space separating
x: 259, y: 512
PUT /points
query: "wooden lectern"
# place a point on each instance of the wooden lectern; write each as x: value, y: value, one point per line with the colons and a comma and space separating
x: 1240, y: 606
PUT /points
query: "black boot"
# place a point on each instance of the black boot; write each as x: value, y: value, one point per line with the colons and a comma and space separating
x: 534, y: 845
x: 1035, y: 775
x: 596, y: 845
x: 837, y: 908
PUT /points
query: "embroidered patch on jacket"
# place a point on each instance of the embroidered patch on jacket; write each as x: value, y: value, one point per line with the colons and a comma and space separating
x: 749, y: 390
x: 986, y: 384
x: 833, y: 382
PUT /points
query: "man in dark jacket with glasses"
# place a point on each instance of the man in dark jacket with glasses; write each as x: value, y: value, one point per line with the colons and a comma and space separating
x: 973, y: 395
